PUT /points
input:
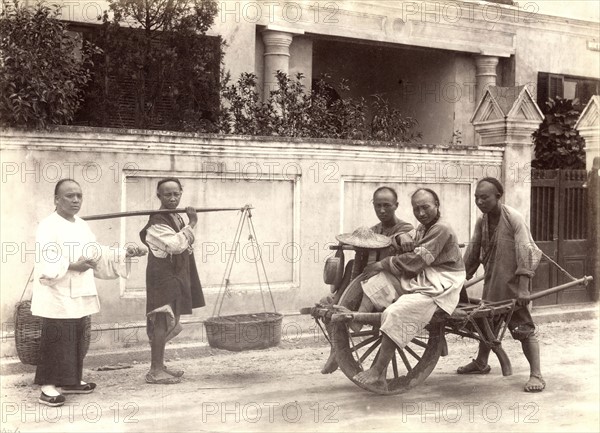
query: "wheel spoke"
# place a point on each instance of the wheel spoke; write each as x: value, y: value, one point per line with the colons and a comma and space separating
x: 419, y: 342
x: 395, y: 366
x: 370, y: 350
x: 365, y: 342
x: 413, y: 353
x: 404, y: 359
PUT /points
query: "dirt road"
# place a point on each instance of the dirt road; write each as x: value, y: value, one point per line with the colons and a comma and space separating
x: 281, y: 389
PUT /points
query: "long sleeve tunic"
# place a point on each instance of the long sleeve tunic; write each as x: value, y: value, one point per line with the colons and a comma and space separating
x: 61, y: 293
x: 435, y: 267
x: 400, y: 227
x: 506, y: 254
x: 171, y: 274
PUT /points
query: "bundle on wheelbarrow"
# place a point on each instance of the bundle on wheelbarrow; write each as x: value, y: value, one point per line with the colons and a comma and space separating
x: 249, y: 331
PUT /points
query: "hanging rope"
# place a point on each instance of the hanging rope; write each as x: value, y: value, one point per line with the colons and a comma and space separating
x: 254, y: 247
x: 245, y: 219
x: 224, y: 289
x: 253, y: 234
x: 564, y: 271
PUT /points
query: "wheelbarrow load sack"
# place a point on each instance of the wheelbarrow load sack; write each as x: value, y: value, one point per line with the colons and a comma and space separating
x: 244, y: 331
x: 28, y: 333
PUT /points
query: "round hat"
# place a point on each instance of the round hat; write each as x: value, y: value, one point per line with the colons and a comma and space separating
x: 364, y: 237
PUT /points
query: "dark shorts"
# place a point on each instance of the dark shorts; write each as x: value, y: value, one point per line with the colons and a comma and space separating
x: 521, y: 324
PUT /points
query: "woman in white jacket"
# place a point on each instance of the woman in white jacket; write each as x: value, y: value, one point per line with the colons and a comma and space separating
x: 64, y: 292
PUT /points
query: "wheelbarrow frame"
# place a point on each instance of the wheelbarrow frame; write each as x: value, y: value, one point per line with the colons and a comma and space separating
x: 483, y: 321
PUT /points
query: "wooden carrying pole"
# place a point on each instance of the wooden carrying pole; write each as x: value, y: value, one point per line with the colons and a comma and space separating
x: 152, y: 212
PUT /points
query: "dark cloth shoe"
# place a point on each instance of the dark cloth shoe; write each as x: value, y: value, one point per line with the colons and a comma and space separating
x: 79, y: 389
x: 53, y: 401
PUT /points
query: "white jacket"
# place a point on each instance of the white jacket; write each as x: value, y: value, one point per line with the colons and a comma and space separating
x: 58, y: 292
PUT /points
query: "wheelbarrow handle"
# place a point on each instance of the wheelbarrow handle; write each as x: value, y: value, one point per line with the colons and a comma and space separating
x: 556, y: 289
x: 474, y: 281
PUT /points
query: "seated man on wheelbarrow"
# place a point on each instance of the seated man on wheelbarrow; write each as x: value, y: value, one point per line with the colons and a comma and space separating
x: 411, y: 286
x: 503, y: 244
x: 385, y: 203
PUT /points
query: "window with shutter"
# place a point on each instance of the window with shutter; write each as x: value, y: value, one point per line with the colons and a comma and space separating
x: 565, y: 86
x: 555, y: 86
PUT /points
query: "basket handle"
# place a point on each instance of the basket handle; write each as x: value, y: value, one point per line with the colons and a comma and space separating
x: 27, y: 284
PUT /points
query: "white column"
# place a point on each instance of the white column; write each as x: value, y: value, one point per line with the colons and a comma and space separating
x: 485, y: 74
x: 276, y: 57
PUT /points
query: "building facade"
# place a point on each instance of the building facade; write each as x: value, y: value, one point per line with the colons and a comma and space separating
x: 434, y: 60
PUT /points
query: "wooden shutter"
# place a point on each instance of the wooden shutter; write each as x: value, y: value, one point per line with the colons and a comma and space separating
x: 555, y: 86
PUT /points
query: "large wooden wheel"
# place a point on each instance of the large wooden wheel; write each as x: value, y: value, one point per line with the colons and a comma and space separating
x: 357, y: 351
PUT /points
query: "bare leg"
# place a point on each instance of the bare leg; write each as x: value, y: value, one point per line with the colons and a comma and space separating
x: 172, y: 333
x: 480, y: 364
x: 175, y: 330
x: 376, y: 374
x: 531, y: 349
x: 331, y: 364
x: 157, y: 348
x: 483, y: 354
x: 366, y: 306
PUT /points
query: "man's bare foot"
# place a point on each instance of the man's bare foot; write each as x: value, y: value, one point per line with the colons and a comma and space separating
x: 330, y: 365
x: 371, y: 377
x: 161, y: 377
x: 175, y: 372
x: 535, y: 383
x: 160, y: 374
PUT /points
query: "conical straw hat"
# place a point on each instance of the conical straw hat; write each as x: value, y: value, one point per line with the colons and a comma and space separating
x: 364, y: 237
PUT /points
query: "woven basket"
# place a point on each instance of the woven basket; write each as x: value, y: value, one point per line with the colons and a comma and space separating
x: 244, y: 331
x: 28, y: 333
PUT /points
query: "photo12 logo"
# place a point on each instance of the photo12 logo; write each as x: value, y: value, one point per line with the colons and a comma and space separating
x: 271, y: 412
x: 317, y: 12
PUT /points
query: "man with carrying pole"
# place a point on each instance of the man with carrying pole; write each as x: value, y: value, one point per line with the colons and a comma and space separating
x: 172, y: 284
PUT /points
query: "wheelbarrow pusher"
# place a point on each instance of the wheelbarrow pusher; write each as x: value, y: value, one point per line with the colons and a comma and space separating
x: 356, y: 351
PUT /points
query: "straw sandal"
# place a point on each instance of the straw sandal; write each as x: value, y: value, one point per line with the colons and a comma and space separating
x: 165, y: 381
x: 528, y: 385
x: 474, y: 367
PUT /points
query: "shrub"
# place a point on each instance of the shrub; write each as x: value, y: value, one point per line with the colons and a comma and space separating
x: 43, y: 70
x: 160, y: 70
x: 290, y: 111
x: 245, y: 113
x: 557, y: 142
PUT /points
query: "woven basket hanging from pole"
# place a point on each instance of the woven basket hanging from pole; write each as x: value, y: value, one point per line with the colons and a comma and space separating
x: 244, y: 331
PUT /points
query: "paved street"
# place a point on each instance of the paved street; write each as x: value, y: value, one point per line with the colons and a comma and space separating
x: 281, y: 389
